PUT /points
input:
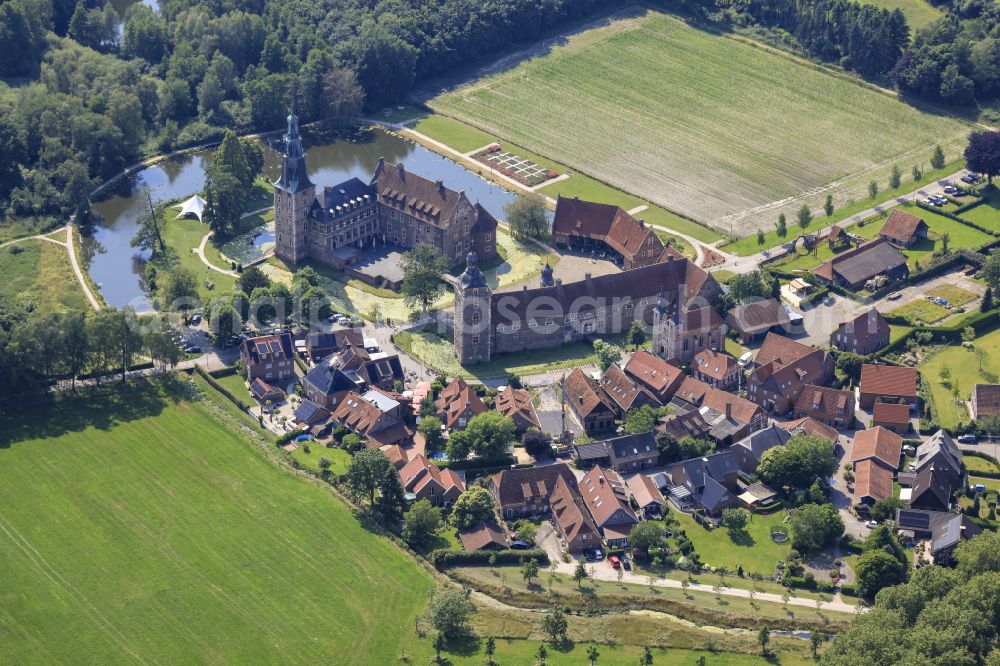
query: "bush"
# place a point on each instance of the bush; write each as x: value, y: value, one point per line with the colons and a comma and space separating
x: 849, y: 590
x: 288, y: 436
x: 444, y: 558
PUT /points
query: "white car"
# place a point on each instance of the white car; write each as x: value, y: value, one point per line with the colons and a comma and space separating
x: 871, y: 524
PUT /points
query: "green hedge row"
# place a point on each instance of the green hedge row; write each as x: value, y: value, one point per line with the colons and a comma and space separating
x: 225, y: 372
x: 445, y: 557
x: 484, y: 466
x: 288, y: 436
x: 221, y: 389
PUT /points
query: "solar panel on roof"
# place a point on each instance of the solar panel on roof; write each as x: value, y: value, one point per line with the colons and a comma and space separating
x: 261, y: 348
x: 275, y: 347
x: 912, y: 519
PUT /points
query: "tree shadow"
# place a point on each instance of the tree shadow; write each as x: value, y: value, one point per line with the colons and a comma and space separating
x: 742, y: 538
x: 564, y: 644
x: 99, y: 407
x: 464, y: 646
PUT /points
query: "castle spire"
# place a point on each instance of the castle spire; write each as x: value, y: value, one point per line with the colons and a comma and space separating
x: 294, y: 177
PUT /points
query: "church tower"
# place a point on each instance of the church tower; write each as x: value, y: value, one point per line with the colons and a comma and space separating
x: 473, y: 315
x: 293, y: 195
x: 668, y: 328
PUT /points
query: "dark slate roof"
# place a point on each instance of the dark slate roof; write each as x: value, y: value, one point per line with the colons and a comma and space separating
x: 340, y: 199
x: 309, y: 412
x: 763, y: 440
x: 335, y: 339
x: 713, y: 494
x: 876, y: 257
x: 941, y: 452
x: 625, y: 448
x: 328, y: 380
x: 945, y: 528
x: 592, y: 451
x: 758, y: 316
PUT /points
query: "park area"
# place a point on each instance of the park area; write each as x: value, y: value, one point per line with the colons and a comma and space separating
x: 950, y: 374
x: 663, y: 101
x: 38, y: 274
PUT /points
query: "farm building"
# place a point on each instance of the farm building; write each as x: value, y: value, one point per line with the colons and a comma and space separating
x: 887, y: 383
x: 596, y: 228
x: 755, y: 320
x: 985, y: 400
x: 865, y: 334
x: 902, y: 228
x: 855, y: 267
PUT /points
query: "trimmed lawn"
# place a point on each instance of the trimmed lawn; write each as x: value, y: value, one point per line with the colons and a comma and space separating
x: 987, y: 214
x: 918, y: 13
x: 463, y: 138
x: 40, y: 274
x: 965, y: 373
x: 167, y: 536
x: 757, y: 553
x: 991, y: 484
x: 953, y: 294
x: 921, y: 311
x: 649, y: 75
x: 976, y: 464
x: 339, y: 457
x: 183, y: 235
x: 896, y: 332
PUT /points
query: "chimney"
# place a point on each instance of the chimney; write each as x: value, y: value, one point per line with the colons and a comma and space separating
x: 729, y: 411
x: 670, y: 258
x: 587, y: 277
x: 440, y: 185
x: 401, y: 169
x: 581, y: 399
x: 642, y: 224
x: 524, y: 287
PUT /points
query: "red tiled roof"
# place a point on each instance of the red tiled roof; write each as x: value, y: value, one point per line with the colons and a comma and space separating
x: 692, y: 390
x: 420, y: 472
x: 811, y: 426
x: 743, y: 410
x: 516, y: 402
x: 621, y: 389
x: 568, y: 511
x: 878, y: 443
x: 622, y: 232
x: 716, y: 365
x: 482, y: 535
x: 889, y: 380
x: 901, y: 226
x: 605, y: 493
x: 872, y: 480
x: 454, y: 399
x: 987, y: 397
x: 823, y: 400
x: 644, y: 490
x: 892, y: 413
x: 585, y: 396
x: 779, y: 348
x: 515, y: 486
x: 654, y: 372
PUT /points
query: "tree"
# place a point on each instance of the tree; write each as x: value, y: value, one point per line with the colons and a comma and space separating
x: 554, y: 624
x: 527, y: 217
x: 636, y: 336
x: 850, y: 364
x: 990, y: 271
x: 668, y: 447
x: 815, y: 640
x: 872, y: 189
x: 593, y: 654
x: 828, y: 205
x: 877, y: 569
x: 580, y: 574
x: 647, y: 657
x: 473, y: 506
x: 450, y: 612
x: 430, y: 429
x: 937, y: 158
x: 537, y: 444
x: 797, y: 464
x: 641, y: 419
x: 421, y: 522
x: 763, y: 638
x: 179, y: 290
x: 885, y: 509
x: 542, y: 653
x: 365, y: 473
x: 648, y: 534
x: 147, y: 236
x: 982, y: 155
x: 945, y: 239
x: 607, y: 354
x: 986, y: 304
x: 385, y: 64
x: 814, y: 526
x: 343, y: 97
x: 744, y: 287
x: 489, y: 435
x: 805, y: 217
x: 895, y: 177
x: 391, y: 497
x: 529, y: 571
x: 968, y: 334
x: 760, y: 237
x: 75, y: 343
x: 916, y: 173
x: 422, y: 267
x: 224, y: 200
x: 782, y: 226
x: 735, y: 519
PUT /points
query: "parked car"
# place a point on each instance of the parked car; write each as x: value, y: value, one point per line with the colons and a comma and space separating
x: 615, y: 562
x: 194, y: 349
x: 950, y: 189
x: 626, y: 564
x: 894, y: 296
x: 520, y: 545
x: 195, y: 320
x: 871, y: 524
x: 966, y: 439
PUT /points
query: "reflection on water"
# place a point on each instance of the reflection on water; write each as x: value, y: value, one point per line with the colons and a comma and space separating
x: 117, y: 267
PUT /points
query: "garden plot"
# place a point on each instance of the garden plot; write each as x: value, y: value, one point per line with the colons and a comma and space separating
x: 514, y: 166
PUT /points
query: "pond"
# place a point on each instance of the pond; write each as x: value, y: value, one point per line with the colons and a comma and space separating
x: 117, y: 267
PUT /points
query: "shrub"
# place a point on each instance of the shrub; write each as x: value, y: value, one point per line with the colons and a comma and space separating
x: 444, y: 558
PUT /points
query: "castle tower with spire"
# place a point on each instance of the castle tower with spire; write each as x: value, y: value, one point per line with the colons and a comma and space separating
x: 668, y: 327
x: 294, y: 193
x: 473, y: 315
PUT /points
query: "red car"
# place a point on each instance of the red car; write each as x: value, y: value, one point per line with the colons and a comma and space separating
x: 615, y: 562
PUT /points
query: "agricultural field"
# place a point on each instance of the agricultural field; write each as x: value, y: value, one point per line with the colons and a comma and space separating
x: 963, y: 366
x: 166, y: 536
x: 40, y: 273
x: 663, y: 99
x: 918, y: 13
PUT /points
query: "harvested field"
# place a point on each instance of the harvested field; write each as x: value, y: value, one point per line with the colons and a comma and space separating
x: 712, y: 127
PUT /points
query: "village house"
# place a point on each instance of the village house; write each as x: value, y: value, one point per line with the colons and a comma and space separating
x: 588, y: 402
x: 812, y: 427
x: 830, y: 406
x: 865, y: 334
x: 875, y: 457
x: 516, y: 404
x: 264, y: 393
x: 709, y: 482
x: 376, y: 369
x: 942, y: 529
x: 891, y: 416
x: 853, y: 268
x: 625, y: 394
x: 755, y: 320
x: 752, y: 448
x: 605, y: 230
x: 660, y: 378
x: 484, y: 536
x: 367, y: 420
x: 311, y: 417
x: 575, y: 524
x: 268, y: 357
x: 934, y: 475
x: 716, y: 369
x: 425, y: 480
x: 729, y: 417
x: 887, y: 383
x: 985, y: 400
x: 783, y: 368
x: 327, y: 385
x: 685, y: 424
x: 319, y: 345
x: 606, y: 497
x: 523, y: 492
x: 457, y: 404
x: 903, y: 229
x: 647, y: 496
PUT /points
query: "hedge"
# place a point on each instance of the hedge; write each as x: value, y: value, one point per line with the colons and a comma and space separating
x: 445, y: 557
x: 225, y: 372
x: 981, y: 322
x: 849, y: 589
x: 288, y: 436
x: 221, y: 389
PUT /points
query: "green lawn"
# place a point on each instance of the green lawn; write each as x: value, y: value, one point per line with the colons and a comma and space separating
x: 987, y: 214
x: 238, y: 387
x: 991, y: 484
x: 964, y: 369
x: 181, y: 236
x: 921, y: 312
x: 40, y: 274
x: 463, y: 138
x: 919, y: 13
x: 339, y: 457
x: 137, y: 527
x: 757, y: 552
x: 953, y: 294
x: 976, y: 464
x: 662, y: 101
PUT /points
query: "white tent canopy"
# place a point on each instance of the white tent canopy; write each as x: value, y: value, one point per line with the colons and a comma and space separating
x: 193, y: 206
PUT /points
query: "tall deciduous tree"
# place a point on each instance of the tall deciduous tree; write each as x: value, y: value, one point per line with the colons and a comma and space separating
x: 982, y: 155
x: 421, y: 522
x: 473, y: 506
x: 527, y: 217
x: 422, y: 267
x: 343, y: 97
x: 365, y: 473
